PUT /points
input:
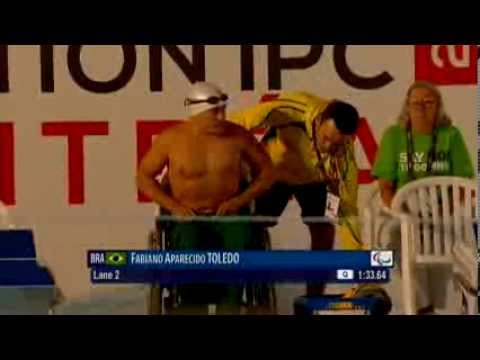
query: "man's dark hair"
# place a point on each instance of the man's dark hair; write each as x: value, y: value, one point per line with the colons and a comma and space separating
x: 344, y: 115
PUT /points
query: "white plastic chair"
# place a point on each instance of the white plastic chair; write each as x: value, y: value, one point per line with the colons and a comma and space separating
x: 465, y: 274
x: 437, y: 215
x: 375, y: 219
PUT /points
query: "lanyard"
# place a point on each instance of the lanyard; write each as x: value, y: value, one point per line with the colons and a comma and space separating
x: 410, y: 151
x: 333, y: 182
x: 335, y: 176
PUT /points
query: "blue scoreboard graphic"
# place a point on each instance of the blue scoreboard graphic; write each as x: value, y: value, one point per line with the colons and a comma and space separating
x: 167, y: 267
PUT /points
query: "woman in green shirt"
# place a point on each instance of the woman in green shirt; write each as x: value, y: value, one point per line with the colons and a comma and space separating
x: 422, y: 143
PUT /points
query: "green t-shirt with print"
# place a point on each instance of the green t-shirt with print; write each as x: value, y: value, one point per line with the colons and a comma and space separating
x: 452, y: 158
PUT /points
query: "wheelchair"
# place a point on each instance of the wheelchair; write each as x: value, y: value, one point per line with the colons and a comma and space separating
x: 256, y: 299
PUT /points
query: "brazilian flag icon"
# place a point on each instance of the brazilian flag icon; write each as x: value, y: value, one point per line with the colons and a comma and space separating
x: 116, y: 258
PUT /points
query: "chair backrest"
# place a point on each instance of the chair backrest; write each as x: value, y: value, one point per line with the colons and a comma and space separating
x: 444, y: 211
x: 375, y: 221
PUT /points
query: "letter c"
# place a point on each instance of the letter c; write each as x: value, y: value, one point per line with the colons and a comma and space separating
x: 354, y: 80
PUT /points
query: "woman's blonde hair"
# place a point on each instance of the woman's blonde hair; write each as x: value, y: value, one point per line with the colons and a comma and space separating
x: 442, y: 117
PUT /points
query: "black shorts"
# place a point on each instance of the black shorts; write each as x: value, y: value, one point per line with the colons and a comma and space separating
x: 312, y: 199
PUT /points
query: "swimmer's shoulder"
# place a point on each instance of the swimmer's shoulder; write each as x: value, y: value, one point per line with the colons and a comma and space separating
x: 237, y: 130
x: 242, y: 136
x: 170, y: 135
x: 173, y: 132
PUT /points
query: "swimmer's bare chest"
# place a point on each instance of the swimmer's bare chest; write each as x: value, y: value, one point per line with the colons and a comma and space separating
x: 204, y: 169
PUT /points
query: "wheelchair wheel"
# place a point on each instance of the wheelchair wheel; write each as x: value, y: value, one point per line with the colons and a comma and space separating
x: 261, y: 298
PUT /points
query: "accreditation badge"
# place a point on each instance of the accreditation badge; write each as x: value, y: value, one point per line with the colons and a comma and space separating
x: 332, y: 207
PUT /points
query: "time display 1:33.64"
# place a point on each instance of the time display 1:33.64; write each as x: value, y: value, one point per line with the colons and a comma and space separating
x: 380, y: 274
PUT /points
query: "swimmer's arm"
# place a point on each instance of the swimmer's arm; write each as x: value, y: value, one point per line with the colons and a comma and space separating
x: 254, y: 154
x: 150, y: 167
x: 258, y: 159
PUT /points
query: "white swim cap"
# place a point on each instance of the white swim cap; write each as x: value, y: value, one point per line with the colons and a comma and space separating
x: 204, y: 96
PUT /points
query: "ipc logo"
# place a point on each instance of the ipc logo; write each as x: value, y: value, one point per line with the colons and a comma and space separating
x: 381, y: 258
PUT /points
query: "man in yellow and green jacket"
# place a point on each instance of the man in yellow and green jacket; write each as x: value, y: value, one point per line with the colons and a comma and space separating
x: 310, y: 140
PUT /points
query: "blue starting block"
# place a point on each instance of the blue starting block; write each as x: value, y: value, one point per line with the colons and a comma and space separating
x: 25, y: 287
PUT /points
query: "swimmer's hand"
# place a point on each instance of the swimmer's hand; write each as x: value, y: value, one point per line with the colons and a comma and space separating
x: 181, y: 211
x: 230, y: 207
